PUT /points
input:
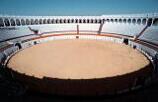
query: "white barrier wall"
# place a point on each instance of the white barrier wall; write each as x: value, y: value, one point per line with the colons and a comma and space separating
x: 55, y: 27
x: 123, y: 28
x: 89, y: 27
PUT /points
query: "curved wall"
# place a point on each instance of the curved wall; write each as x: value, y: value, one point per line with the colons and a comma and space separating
x: 142, y: 28
x: 138, y: 31
x: 131, y: 25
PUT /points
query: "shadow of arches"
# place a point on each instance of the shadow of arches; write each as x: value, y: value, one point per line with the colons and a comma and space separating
x: 149, y: 22
x: 155, y: 22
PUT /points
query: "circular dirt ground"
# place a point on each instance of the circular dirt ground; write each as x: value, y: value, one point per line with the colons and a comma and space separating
x: 78, y: 59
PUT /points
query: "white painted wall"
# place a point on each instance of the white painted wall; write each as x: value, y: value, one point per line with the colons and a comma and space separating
x: 121, y: 28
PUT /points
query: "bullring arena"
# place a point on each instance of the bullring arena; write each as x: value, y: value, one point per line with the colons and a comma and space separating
x: 80, y: 55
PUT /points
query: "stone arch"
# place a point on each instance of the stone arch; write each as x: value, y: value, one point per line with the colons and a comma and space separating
x: 155, y: 22
x: 134, y: 21
x: 84, y: 20
x: 95, y: 21
x: 99, y: 21
x: 76, y: 20
x: 111, y: 20
x: 23, y: 22
x: 1, y: 22
x: 52, y: 21
x: 48, y: 21
x: 116, y: 20
x: 129, y: 20
x: 80, y: 20
x: 6, y: 21
x: 72, y: 20
x: 103, y: 20
x: 68, y: 21
x: 32, y: 21
x: 40, y: 21
x: 61, y: 20
x: 139, y: 21
x: 44, y: 21
x: 92, y: 21
x: 120, y: 20
x: 36, y: 21
x: 12, y: 21
x: 88, y: 20
x: 144, y: 21
x: 27, y: 22
x: 64, y: 21
x: 124, y: 20
x: 149, y: 22
x: 18, y: 23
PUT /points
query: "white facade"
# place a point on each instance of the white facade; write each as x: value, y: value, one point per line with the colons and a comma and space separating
x: 131, y: 25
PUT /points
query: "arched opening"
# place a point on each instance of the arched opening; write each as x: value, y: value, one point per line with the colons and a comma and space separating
x: 87, y: 20
x: 27, y: 22
x: 120, y: 20
x: 52, y: 21
x: 61, y: 21
x: 155, y: 22
x: 103, y: 20
x: 134, y: 46
x: 23, y: 22
x: 108, y: 20
x: 84, y: 21
x: 76, y: 20
x: 92, y: 21
x: 64, y: 21
x: 18, y: 23
x: 80, y: 20
x: 72, y: 20
x: 139, y: 21
x: 95, y: 21
x: 112, y: 20
x: 18, y: 45
x: 68, y: 21
x: 144, y: 21
x: 124, y: 20
x: 12, y: 22
x: 116, y: 20
x: 149, y: 22
x: 40, y: 21
x: 1, y: 22
x: 48, y: 21
x: 133, y: 21
x: 35, y: 43
x: 32, y: 22
x: 129, y: 21
x: 36, y: 21
x: 99, y: 21
x: 44, y: 21
x: 125, y: 41
x: 6, y: 21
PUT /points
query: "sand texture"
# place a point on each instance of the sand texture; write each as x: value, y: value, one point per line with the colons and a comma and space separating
x: 77, y: 59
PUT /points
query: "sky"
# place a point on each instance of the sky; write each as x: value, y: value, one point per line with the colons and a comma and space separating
x: 76, y: 7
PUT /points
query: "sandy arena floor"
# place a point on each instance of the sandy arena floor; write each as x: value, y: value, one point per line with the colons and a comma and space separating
x: 78, y: 59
